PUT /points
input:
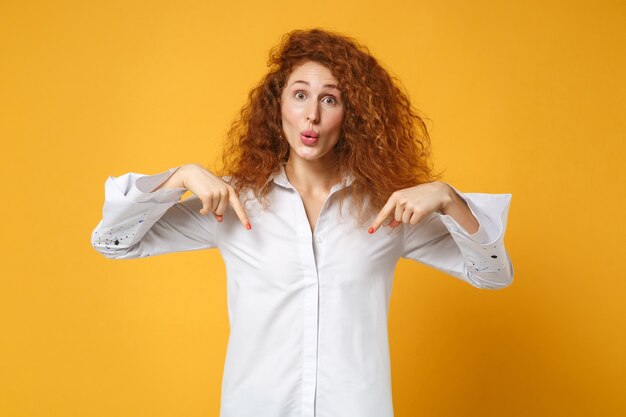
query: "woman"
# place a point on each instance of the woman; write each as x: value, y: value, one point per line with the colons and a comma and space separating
x: 308, y: 287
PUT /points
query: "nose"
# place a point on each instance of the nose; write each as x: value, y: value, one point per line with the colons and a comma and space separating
x: 313, y: 113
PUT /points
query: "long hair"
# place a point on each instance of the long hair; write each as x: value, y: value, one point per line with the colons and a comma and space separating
x: 384, y: 143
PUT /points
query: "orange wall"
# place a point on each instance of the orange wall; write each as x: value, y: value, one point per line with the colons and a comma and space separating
x: 526, y: 98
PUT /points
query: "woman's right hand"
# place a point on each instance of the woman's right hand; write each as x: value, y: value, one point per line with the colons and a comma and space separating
x: 214, y: 192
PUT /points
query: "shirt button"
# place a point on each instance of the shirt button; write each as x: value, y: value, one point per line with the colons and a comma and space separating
x: 318, y: 240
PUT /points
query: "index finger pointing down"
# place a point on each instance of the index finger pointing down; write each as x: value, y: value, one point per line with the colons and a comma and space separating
x: 382, y: 215
x: 239, y: 209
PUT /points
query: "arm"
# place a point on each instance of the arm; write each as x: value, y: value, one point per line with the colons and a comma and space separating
x: 478, y: 258
x: 142, y: 216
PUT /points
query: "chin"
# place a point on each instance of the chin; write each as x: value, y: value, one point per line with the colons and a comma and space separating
x: 309, y: 156
x: 310, y: 153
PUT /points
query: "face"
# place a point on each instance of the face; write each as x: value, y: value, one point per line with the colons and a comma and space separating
x: 312, y: 112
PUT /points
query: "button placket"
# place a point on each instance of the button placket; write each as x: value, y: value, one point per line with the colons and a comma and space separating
x: 309, y: 306
x: 311, y: 252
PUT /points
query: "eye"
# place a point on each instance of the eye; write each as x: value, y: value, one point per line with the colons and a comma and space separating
x: 333, y: 100
x: 299, y: 93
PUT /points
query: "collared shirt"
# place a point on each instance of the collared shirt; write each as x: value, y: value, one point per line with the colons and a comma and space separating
x: 307, y: 310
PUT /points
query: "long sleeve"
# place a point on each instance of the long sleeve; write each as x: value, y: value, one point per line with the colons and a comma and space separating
x: 138, y: 222
x: 479, y: 258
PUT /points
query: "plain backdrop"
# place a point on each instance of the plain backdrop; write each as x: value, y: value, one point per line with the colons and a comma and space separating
x: 522, y: 97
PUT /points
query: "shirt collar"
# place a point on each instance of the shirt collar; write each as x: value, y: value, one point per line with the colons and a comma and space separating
x: 280, y: 177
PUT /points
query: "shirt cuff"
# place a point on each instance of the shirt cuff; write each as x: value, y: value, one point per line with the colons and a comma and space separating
x: 484, y: 250
x: 490, y: 210
x: 142, y: 186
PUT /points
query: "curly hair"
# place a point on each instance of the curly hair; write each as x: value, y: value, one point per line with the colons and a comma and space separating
x: 384, y: 143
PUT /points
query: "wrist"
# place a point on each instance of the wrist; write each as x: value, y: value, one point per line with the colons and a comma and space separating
x: 176, y: 180
x: 447, y: 199
x: 456, y: 207
x: 179, y: 176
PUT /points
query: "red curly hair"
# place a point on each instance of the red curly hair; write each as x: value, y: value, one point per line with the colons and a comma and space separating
x: 384, y: 143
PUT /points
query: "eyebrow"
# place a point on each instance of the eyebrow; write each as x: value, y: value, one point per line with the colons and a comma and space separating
x: 308, y: 84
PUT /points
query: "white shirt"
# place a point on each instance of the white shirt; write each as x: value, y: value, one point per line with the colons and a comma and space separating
x: 307, y: 311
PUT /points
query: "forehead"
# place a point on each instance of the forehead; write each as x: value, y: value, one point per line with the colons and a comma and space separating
x: 312, y: 72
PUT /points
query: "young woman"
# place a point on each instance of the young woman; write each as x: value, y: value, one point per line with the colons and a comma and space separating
x: 326, y: 185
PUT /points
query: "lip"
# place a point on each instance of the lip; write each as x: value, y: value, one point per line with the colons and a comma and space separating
x: 309, y: 141
x: 310, y: 133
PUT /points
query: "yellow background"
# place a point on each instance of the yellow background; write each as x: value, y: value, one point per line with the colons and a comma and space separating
x: 523, y: 97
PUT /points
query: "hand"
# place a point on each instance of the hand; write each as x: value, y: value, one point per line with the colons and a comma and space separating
x: 214, y: 192
x: 411, y: 205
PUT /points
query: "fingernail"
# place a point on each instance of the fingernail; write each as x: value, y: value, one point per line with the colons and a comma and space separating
x: 248, y: 226
x: 371, y: 230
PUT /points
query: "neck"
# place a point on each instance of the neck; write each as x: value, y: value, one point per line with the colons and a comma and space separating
x: 312, y: 177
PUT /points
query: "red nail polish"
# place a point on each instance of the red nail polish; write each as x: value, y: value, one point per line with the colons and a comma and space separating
x: 371, y: 230
x: 248, y: 226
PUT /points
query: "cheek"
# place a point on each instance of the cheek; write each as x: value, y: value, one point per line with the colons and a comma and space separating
x: 336, y: 119
x: 290, y: 113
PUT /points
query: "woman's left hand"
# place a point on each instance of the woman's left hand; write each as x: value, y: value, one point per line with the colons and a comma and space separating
x: 411, y: 205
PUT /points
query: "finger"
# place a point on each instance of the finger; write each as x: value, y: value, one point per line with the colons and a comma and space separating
x: 399, y: 214
x: 415, y: 218
x: 406, y: 216
x: 238, y: 207
x: 207, y: 203
x: 393, y: 223
x: 382, y: 215
x: 221, y: 206
x: 215, y: 199
x: 222, y: 203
